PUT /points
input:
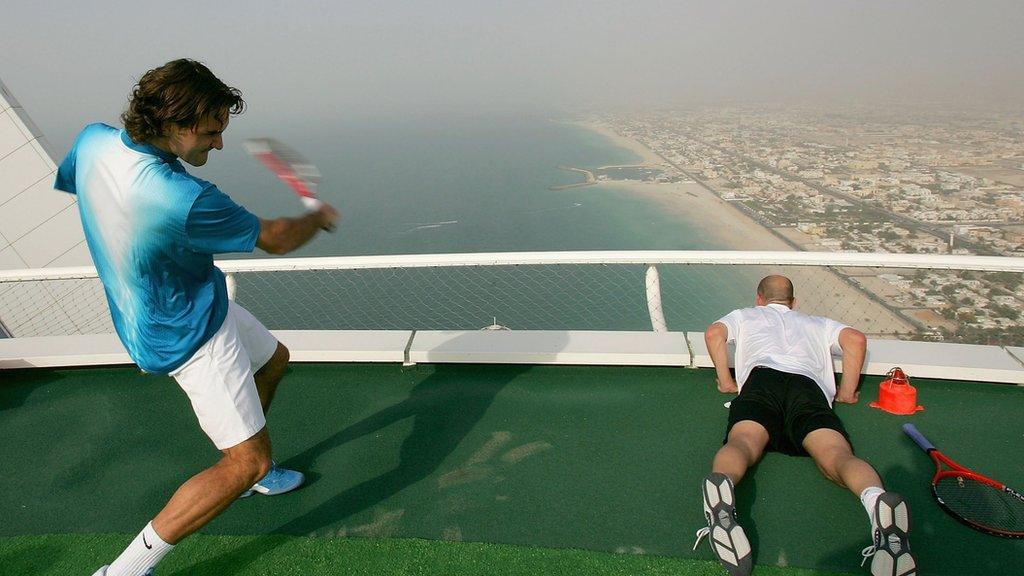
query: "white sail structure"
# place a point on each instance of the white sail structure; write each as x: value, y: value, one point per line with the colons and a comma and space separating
x: 39, y: 226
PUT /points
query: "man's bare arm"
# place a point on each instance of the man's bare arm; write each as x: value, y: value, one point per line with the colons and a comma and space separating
x: 715, y: 337
x: 282, y: 235
x: 854, y: 345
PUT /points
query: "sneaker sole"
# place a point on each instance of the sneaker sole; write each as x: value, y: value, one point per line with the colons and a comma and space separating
x: 893, y: 558
x: 729, y: 542
x: 268, y: 492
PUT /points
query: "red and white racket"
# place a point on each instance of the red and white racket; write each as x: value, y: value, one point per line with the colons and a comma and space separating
x: 980, y: 502
x: 295, y: 171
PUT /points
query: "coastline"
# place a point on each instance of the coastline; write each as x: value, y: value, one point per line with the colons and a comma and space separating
x: 821, y: 292
x: 647, y: 156
x: 690, y: 201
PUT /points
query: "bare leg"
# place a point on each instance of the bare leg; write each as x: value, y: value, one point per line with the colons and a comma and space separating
x: 269, y: 376
x: 742, y: 450
x: 207, y: 494
x: 834, y: 457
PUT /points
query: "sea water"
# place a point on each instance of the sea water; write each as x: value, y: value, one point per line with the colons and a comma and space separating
x: 452, y: 184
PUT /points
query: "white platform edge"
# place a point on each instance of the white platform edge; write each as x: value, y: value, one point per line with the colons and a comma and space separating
x: 62, y: 351
x: 582, y: 347
x: 345, y: 345
x: 497, y: 347
x: 939, y: 360
x: 304, y: 345
x: 918, y: 359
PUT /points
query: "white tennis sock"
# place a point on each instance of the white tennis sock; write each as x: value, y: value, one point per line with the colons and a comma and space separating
x: 142, y: 554
x: 869, y: 497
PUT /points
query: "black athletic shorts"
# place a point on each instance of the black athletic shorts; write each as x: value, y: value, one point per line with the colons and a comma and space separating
x: 789, y: 406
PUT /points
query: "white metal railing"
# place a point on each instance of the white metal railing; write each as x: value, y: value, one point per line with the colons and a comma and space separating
x: 303, y: 289
x: 782, y: 258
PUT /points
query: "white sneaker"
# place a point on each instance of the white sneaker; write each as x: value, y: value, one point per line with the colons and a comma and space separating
x: 726, y: 536
x: 890, y: 551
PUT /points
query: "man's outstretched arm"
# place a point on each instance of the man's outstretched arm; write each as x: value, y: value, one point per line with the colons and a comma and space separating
x: 715, y: 337
x: 282, y: 235
x: 854, y: 345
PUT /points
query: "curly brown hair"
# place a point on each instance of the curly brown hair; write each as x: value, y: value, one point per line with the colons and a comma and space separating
x: 182, y: 92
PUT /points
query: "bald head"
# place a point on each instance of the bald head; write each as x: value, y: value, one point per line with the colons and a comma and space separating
x: 775, y: 290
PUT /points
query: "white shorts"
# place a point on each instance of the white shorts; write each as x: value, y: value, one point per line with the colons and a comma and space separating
x: 218, y: 378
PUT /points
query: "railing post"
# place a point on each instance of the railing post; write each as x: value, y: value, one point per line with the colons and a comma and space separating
x: 229, y: 281
x: 654, y: 300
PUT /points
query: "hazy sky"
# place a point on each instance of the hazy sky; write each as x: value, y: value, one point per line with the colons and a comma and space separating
x: 309, y: 62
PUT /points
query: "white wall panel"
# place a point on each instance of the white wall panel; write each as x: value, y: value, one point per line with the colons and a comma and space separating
x: 19, y: 170
x: 42, y: 147
x: 10, y: 259
x: 11, y: 137
x: 25, y: 124
x: 51, y: 240
x: 78, y: 255
x: 28, y: 210
x: 36, y: 224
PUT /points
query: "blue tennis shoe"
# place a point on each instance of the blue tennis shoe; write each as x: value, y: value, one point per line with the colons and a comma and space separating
x: 277, y: 481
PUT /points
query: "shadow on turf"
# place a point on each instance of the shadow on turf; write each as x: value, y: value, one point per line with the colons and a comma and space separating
x: 20, y: 384
x: 746, y: 496
x: 445, y: 407
x: 30, y: 560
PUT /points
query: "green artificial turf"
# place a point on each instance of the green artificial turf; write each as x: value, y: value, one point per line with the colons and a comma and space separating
x: 553, y: 458
x: 205, y: 555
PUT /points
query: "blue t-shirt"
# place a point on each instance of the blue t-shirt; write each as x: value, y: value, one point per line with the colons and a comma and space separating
x: 153, y: 229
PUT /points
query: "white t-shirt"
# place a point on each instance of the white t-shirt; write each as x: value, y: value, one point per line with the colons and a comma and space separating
x: 777, y: 337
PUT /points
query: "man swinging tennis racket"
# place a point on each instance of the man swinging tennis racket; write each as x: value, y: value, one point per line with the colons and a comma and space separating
x: 152, y: 230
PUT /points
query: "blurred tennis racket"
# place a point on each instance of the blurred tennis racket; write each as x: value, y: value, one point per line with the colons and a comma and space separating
x: 975, y: 500
x: 295, y: 171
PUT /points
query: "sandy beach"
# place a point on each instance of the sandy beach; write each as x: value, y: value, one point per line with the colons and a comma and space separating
x: 819, y: 291
x: 690, y: 201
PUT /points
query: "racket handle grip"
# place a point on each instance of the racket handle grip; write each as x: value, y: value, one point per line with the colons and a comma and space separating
x: 312, y: 204
x: 910, y: 430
